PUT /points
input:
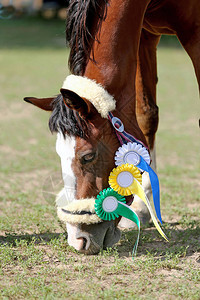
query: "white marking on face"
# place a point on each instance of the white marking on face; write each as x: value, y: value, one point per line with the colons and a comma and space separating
x: 65, y: 148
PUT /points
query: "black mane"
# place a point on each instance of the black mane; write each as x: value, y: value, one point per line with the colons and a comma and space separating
x: 84, y: 18
x: 66, y: 120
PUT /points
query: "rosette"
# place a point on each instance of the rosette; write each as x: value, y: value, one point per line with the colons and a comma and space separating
x: 126, y: 180
x: 123, y: 179
x: 106, y: 204
x: 137, y: 155
x: 130, y: 154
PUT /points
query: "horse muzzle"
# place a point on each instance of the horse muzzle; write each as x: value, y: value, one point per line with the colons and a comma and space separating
x: 87, y: 233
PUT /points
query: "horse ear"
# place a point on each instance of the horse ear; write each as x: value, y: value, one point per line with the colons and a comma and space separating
x: 75, y: 102
x: 43, y: 103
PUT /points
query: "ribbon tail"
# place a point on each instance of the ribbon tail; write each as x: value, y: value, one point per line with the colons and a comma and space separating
x: 155, y: 191
x: 127, y: 212
x: 154, y: 186
x: 140, y: 192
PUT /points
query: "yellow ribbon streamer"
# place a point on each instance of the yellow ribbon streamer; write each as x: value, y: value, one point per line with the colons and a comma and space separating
x: 138, y: 190
x: 127, y: 185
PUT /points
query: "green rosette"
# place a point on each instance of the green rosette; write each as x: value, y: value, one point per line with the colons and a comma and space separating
x: 109, y: 205
x: 106, y: 204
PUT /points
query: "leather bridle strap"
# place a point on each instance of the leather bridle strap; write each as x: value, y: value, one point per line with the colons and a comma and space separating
x: 123, y: 136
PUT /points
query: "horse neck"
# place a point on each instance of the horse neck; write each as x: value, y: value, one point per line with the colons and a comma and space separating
x: 116, y: 57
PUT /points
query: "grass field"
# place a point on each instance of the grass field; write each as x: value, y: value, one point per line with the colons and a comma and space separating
x: 35, y: 260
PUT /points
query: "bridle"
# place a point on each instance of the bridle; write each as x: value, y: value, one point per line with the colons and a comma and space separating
x: 132, y: 159
x: 110, y: 203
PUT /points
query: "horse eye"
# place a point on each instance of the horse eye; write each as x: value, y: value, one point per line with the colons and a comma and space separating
x: 88, y: 158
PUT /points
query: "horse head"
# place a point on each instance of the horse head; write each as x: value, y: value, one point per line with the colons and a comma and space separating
x: 86, y: 144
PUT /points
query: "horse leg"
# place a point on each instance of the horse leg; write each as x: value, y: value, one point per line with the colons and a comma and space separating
x: 146, y: 108
x: 192, y: 47
x: 147, y: 113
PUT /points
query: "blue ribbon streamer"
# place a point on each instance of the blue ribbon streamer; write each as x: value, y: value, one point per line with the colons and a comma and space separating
x: 154, y: 185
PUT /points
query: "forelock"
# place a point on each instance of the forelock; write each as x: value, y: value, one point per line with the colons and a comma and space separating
x: 66, y: 120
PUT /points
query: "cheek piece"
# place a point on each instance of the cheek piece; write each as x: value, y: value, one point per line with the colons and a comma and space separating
x: 126, y: 179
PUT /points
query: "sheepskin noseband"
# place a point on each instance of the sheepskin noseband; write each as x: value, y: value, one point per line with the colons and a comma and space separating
x: 79, y: 212
x: 92, y: 91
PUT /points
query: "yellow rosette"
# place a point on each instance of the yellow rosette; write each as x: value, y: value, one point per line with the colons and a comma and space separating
x: 126, y: 180
x: 123, y: 179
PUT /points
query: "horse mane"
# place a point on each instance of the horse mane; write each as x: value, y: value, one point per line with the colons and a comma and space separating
x: 66, y: 120
x: 84, y: 19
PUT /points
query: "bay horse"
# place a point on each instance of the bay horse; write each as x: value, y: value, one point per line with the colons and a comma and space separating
x: 113, y: 65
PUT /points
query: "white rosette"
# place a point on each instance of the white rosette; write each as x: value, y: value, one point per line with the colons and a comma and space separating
x: 130, y: 154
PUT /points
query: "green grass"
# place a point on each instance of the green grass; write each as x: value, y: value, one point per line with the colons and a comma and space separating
x: 35, y: 259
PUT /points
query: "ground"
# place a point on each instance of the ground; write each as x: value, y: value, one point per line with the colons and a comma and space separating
x: 35, y: 259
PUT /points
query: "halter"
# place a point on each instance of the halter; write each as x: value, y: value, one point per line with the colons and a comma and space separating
x: 131, y: 159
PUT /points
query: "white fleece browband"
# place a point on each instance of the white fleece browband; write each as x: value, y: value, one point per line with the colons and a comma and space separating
x: 79, y: 211
x: 92, y: 91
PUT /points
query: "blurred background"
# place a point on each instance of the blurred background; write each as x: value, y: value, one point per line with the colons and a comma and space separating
x: 46, y: 8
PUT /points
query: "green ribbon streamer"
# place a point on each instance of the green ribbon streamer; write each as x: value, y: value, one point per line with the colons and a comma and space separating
x: 121, y: 210
x: 125, y: 211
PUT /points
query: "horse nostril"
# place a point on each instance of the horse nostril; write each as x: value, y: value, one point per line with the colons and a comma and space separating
x: 88, y: 246
x: 78, y: 239
x: 84, y: 243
